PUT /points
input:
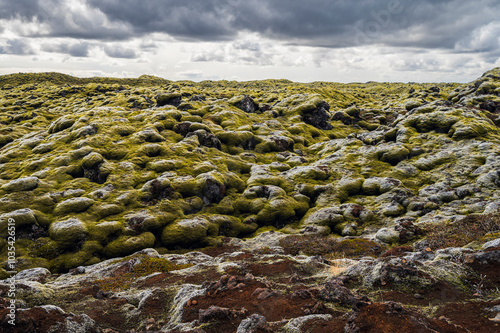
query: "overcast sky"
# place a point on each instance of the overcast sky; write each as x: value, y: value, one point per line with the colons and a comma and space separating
x: 300, y: 40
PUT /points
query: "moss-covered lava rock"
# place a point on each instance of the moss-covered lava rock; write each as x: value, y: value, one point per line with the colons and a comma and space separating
x: 96, y: 168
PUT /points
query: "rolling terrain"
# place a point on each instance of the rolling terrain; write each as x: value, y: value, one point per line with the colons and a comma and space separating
x: 221, y: 206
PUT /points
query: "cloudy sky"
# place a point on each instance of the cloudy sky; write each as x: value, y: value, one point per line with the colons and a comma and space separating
x: 327, y: 40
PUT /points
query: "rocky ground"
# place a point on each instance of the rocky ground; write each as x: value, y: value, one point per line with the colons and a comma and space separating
x: 267, y: 206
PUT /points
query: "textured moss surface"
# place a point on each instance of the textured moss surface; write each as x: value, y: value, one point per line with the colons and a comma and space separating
x: 97, y: 168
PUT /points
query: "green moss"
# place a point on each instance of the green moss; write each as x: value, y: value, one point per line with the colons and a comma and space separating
x: 108, y: 139
x: 165, y: 165
x: 102, y: 211
x: 188, y: 233
x: 225, y: 206
x: 234, y: 138
x: 231, y: 226
x: 169, y: 99
x: 92, y: 160
x: 73, y: 205
x: 147, y: 265
x: 356, y: 247
x: 262, y: 230
x: 61, y: 124
x: 350, y: 186
x: 395, y: 155
x: 21, y: 218
x: 68, y: 231
x: 85, y: 256
x: 125, y: 245
x: 105, y: 230
x: 412, y: 104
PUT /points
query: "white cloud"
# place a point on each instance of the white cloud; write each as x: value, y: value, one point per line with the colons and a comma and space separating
x: 131, y: 38
x: 482, y: 39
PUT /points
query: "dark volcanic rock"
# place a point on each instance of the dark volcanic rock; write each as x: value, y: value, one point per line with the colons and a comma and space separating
x: 169, y: 99
x: 335, y: 291
x: 247, y: 104
x: 319, y: 116
x: 215, y: 313
x: 490, y: 106
x: 253, y: 324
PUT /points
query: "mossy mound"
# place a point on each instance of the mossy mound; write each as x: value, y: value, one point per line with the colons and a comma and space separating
x: 96, y: 168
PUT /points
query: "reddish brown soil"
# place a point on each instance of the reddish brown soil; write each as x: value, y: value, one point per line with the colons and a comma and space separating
x: 471, y: 315
x: 387, y: 317
x: 440, y: 293
x: 107, y: 312
x: 279, y: 289
x: 36, y: 319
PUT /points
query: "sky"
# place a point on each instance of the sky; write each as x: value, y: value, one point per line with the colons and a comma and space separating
x: 299, y: 40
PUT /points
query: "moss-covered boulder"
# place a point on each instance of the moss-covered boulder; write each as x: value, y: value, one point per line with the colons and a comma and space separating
x: 92, y: 160
x: 412, y: 104
x: 379, y: 185
x: 351, y: 186
x: 21, y: 184
x: 173, y: 99
x: 235, y: 138
x: 329, y: 217
x: 270, y: 205
x: 102, y: 232
x: 469, y: 130
x: 61, y: 124
x: 106, y: 210
x: 157, y: 189
x: 125, y: 245
x: 308, y: 173
x: 68, y: 231
x: 388, y: 235
x: 21, y: 218
x: 430, y: 162
x: 213, y: 187
x: 315, y: 112
x: 274, y: 143
x: 232, y: 226
x: 165, y: 165
x: 189, y: 232
x: 244, y: 103
x: 355, y: 212
x: 393, y: 209
x: 73, y: 205
x: 394, y: 154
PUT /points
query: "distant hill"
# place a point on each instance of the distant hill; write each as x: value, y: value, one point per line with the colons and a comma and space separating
x: 62, y: 79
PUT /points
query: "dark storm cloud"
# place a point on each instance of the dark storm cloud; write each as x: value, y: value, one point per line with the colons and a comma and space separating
x: 25, y: 8
x: 74, y: 49
x: 120, y: 52
x: 342, y: 23
x: 421, y: 23
x: 191, y: 19
x: 63, y: 18
x: 17, y: 47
